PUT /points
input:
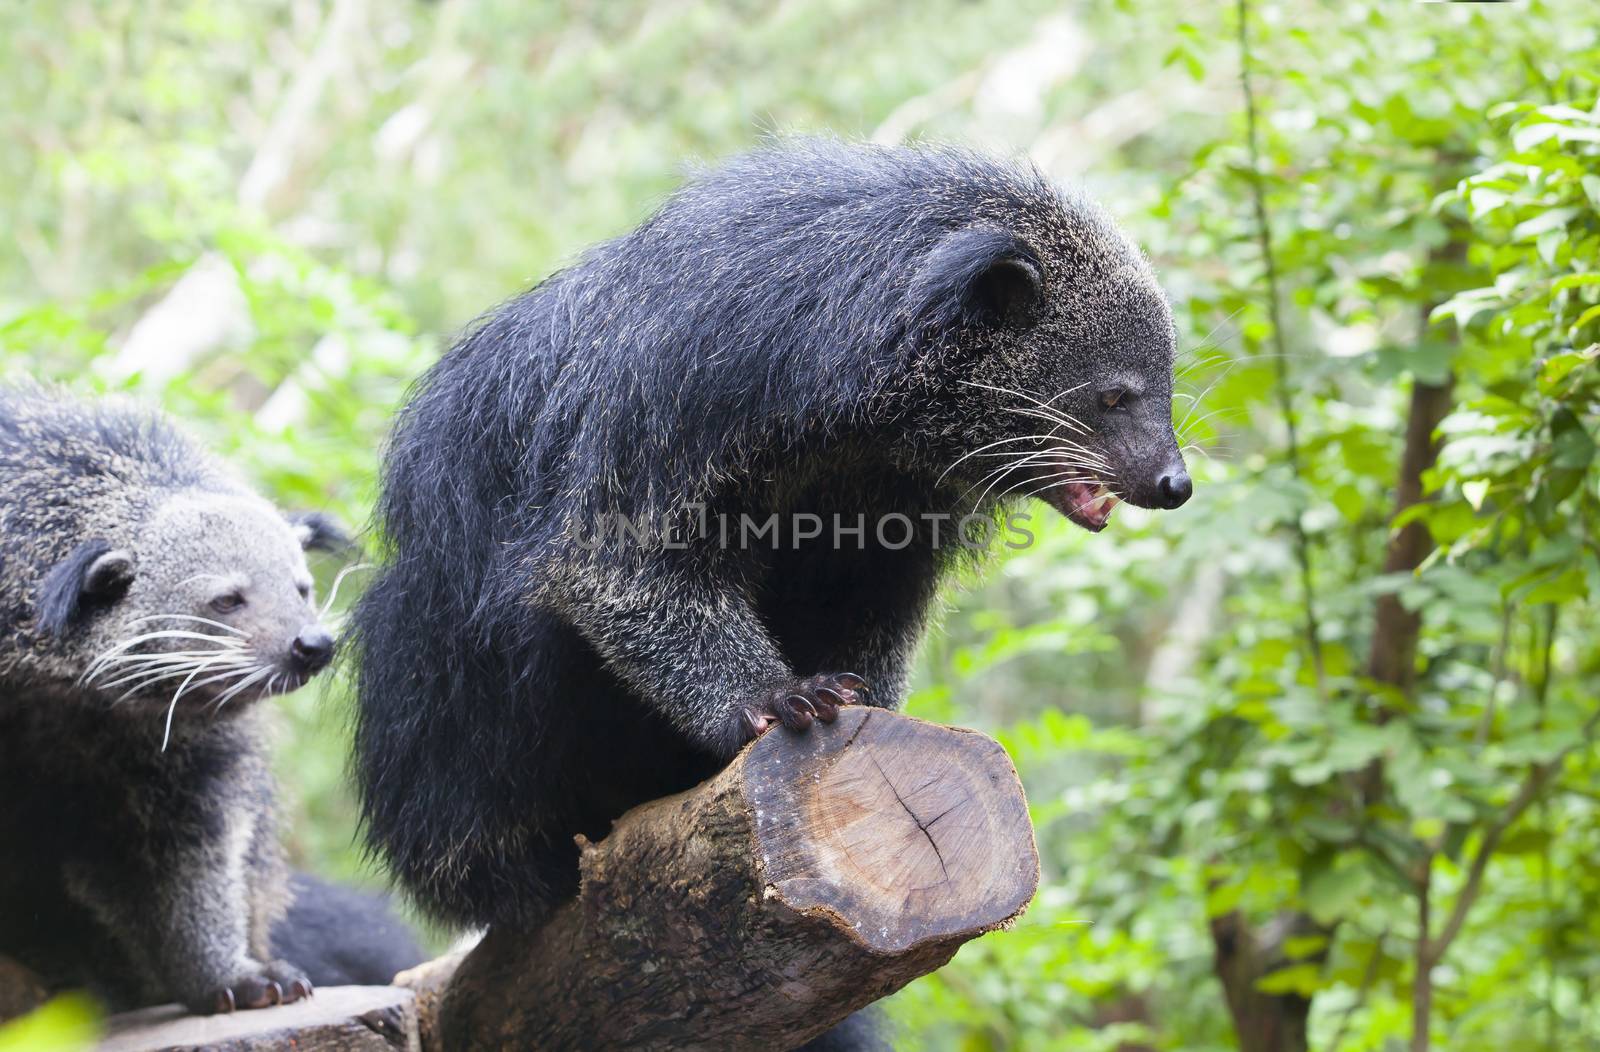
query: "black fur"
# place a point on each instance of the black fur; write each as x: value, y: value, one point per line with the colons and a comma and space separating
x: 320, y: 532
x: 65, y: 587
x: 343, y: 937
x: 815, y: 328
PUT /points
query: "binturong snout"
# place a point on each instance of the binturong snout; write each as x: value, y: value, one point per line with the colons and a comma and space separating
x: 312, y: 649
x: 1174, y: 487
x: 1164, y: 486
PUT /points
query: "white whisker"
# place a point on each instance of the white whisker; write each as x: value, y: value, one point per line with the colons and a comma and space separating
x: 150, y: 681
x: 1062, y: 464
x: 188, y: 617
x: 995, y: 474
x: 166, y: 734
x: 980, y: 451
x: 176, y: 668
x: 243, y: 684
x: 333, y: 592
x: 1057, y: 415
x: 1064, y: 478
x: 150, y: 661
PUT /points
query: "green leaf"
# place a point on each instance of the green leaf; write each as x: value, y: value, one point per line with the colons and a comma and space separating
x: 1585, y: 318
x: 1298, y: 947
x: 1303, y: 979
x: 1336, y: 892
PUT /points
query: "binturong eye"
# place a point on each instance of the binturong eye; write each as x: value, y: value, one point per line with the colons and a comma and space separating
x: 227, y: 603
x: 1115, y: 398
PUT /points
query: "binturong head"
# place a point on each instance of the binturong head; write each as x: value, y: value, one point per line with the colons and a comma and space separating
x: 1062, y: 355
x: 204, y: 601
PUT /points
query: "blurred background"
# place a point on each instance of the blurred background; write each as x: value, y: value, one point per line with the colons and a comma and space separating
x: 1311, y: 761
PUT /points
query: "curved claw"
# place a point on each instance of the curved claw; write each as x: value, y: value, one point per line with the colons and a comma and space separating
x: 754, y: 726
x: 850, y: 681
x: 261, y: 993
x: 796, y: 712
x: 301, y: 988
x: 222, y: 1002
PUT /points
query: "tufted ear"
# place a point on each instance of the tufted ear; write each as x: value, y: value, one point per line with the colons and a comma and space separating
x: 93, y: 572
x: 976, y: 276
x: 319, y: 532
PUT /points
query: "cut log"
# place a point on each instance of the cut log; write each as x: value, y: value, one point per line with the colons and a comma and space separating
x: 337, y: 1019
x: 816, y: 874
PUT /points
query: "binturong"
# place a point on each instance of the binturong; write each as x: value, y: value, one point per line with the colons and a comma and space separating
x: 818, y: 331
x: 148, y: 600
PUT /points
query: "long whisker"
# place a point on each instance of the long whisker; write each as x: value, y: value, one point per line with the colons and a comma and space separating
x: 102, y: 664
x: 1059, y: 439
x: 157, y: 673
x: 233, y: 691
x: 1064, y: 482
x: 189, y: 617
x: 1058, y: 416
x: 1063, y: 465
x: 175, y: 633
x: 1046, y: 414
x: 1037, y: 456
x: 980, y: 451
x: 1187, y: 427
x: 127, y: 675
x: 149, y: 681
x: 1061, y: 478
x: 1075, y: 387
x: 122, y: 648
x: 333, y: 592
x: 166, y: 734
x: 1201, y: 397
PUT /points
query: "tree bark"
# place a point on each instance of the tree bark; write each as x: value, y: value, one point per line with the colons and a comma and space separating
x: 816, y: 874
x: 1394, y: 628
x: 1242, y: 955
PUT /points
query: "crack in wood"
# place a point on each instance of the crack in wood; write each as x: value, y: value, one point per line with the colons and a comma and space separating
x: 943, y: 869
x: 857, y: 733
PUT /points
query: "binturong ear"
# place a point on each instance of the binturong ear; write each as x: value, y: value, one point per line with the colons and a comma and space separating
x: 319, y: 532
x: 976, y: 276
x: 92, y: 573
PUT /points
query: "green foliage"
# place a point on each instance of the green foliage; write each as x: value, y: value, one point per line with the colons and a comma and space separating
x: 347, y: 182
x: 70, y: 1023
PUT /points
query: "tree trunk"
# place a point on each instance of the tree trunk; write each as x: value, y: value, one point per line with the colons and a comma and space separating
x: 1242, y: 955
x: 1394, y: 628
x: 816, y: 874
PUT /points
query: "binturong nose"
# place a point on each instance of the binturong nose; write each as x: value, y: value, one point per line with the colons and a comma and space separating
x: 1175, y: 487
x: 312, y: 649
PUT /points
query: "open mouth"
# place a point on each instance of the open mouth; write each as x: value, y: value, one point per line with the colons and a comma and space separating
x: 1088, y: 504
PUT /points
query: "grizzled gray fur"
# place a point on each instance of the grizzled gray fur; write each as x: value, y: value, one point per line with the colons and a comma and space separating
x: 148, y: 599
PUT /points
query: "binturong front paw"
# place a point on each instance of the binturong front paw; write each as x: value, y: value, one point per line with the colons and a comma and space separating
x: 798, y: 703
x: 276, y: 983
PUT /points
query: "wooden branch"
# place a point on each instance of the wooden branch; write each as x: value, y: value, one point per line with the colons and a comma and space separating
x: 816, y: 874
x: 337, y: 1019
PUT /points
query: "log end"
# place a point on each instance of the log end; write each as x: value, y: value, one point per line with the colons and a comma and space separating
x: 899, y: 831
